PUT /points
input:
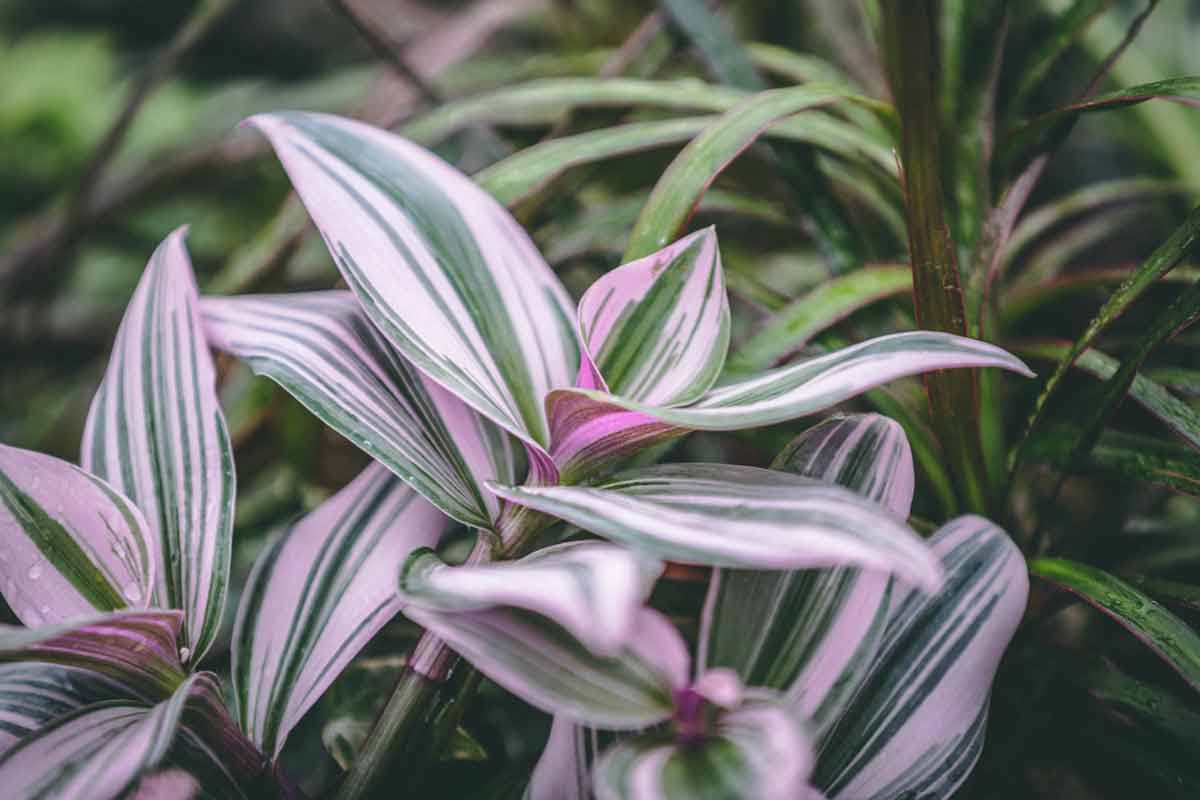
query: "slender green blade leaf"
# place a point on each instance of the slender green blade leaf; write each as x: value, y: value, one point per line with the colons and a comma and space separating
x: 1161, y: 631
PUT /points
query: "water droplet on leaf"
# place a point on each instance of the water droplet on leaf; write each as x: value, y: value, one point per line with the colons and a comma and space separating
x: 35, y: 572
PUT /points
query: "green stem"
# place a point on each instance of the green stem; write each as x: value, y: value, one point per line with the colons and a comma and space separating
x: 909, y: 42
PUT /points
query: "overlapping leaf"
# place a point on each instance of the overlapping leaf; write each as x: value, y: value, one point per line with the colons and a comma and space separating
x: 733, y: 516
x: 759, y: 750
x: 916, y: 725
x: 546, y: 666
x: 32, y: 695
x: 70, y: 544
x: 438, y: 265
x: 318, y: 594
x: 594, y: 590
x: 814, y: 633
x: 155, y: 432
x: 321, y: 348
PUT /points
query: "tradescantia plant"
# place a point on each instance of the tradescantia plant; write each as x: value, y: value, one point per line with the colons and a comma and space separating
x: 455, y: 341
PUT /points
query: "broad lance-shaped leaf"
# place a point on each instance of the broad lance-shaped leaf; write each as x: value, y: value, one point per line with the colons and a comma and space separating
x: 318, y: 593
x: 599, y: 426
x: 137, y: 649
x: 758, y: 750
x: 32, y: 695
x: 546, y: 666
x: 594, y: 590
x: 439, y: 266
x: 101, y: 750
x: 915, y: 728
x: 155, y: 431
x: 656, y: 329
x: 321, y: 348
x: 70, y: 544
x: 732, y: 516
x: 814, y: 633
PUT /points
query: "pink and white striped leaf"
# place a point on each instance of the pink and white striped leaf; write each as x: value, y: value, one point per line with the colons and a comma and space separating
x: 156, y: 432
x: 32, y: 695
x: 813, y: 634
x: 589, y: 436
x: 137, y: 649
x: 564, y: 770
x: 915, y: 727
x: 760, y: 749
x: 807, y: 387
x: 101, y: 750
x: 656, y: 330
x: 732, y: 516
x: 321, y: 348
x: 440, y: 267
x: 70, y: 544
x: 547, y: 667
x: 594, y: 590
x: 318, y: 593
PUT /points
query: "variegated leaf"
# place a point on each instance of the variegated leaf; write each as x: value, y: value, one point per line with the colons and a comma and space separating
x: 733, y: 516
x: 564, y: 771
x: 814, y: 633
x: 758, y: 750
x: 70, y: 544
x: 32, y: 695
x: 440, y: 267
x: 321, y: 347
x: 594, y: 590
x: 916, y: 726
x: 137, y: 649
x: 156, y: 432
x: 318, y: 593
x: 807, y: 387
x: 97, y: 752
x: 656, y: 330
x: 546, y: 666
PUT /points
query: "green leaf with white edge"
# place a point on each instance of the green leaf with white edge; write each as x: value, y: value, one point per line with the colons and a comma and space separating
x: 1177, y: 415
x: 518, y: 177
x: 70, y: 544
x: 788, y: 330
x: 814, y: 633
x: 804, y: 388
x: 321, y: 347
x: 760, y: 749
x: 915, y: 727
x: 439, y: 266
x: 547, y: 667
x: 1167, y: 636
x: 156, y: 432
x: 733, y: 516
x: 98, y: 751
x: 679, y: 189
x: 656, y: 329
x: 594, y: 590
x: 317, y: 595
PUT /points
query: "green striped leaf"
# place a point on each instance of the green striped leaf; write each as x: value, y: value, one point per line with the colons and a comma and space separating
x: 546, y: 666
x: 155, y: 431
x: 1162, y: 632
x: 679, y: 189
x: 593, y: 590
x: 915, y: 727
x: 321, y: 347
x: 758, y: 750
x: 70, y: 544
x: 439, y: 266
x: 790, y: 329
x: 814, y: 633
x: 137, y: 649
x: 1122, y: 456
x: 317, y: 594
x: 656, y: 329
x: 732, y: 516
x: 32, y: 695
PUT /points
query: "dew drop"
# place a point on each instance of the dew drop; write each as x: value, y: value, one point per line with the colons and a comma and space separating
x: 132, y: 592
x: 35, y: 571
x: 31, y: 617
x: 185, y: 653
